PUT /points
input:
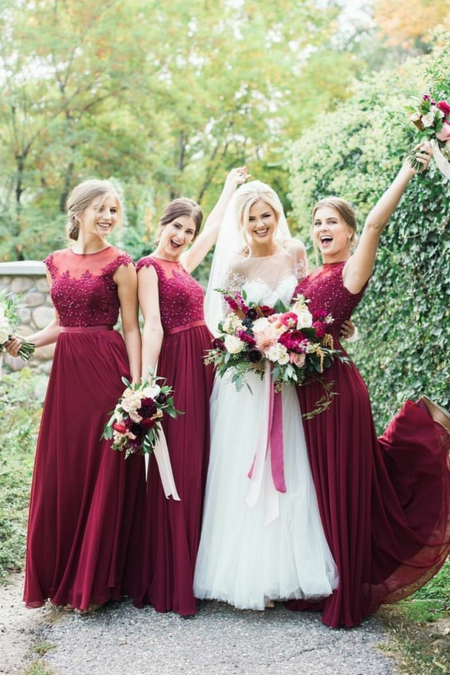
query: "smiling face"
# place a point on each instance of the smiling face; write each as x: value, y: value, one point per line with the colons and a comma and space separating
x: 100, y: 216
x: 176, y: 236
x: 261, y: 224
x: 331, y: 234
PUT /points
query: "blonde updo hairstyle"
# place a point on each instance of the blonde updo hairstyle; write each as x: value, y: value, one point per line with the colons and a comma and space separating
x: 182, y: 206
x: 82, y: 196
x: 345, y: 210
x: 248, y: 194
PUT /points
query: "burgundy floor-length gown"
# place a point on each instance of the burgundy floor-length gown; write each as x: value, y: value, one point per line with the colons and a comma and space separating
x: 384, y: 502
x: 172, y: 528
x: 84, y: 528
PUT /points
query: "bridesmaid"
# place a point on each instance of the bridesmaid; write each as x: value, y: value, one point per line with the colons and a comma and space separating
x: 175, y: 337
x: 84, y: 526
x: 384, y: 503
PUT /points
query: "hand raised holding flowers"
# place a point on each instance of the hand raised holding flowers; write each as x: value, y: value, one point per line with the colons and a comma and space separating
x: 432, y: 119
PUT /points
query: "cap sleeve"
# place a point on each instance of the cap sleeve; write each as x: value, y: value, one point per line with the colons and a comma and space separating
x: 122, y: 259
x: 50, y: 264
x: 148, y: 261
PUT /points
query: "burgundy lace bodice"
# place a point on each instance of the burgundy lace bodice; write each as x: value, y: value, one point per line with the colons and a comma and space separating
x: 83, y: 289
x: 325, y: 290
x: 180, y: 296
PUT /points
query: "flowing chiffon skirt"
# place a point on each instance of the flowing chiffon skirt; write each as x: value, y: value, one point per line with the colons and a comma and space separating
x: 84, y: 531
x: 242, y: 560
x: 384, y: 503
x: 172, y: 528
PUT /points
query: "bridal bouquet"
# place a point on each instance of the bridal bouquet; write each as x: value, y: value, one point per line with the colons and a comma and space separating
x: 135, y: 422
x: 432, y: 119
x: 291, y: 339
x: 9, y: 321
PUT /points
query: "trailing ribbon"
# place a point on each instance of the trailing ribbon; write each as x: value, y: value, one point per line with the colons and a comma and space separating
x: 161, y: 452
x: 442, y: 164
x: 269, y: 454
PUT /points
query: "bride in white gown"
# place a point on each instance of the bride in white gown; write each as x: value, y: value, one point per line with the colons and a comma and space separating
x: 258, y: 544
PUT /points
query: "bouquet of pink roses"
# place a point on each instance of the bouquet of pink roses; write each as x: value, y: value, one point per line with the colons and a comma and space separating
x: 432, y: 119
x: 135, y: 422
x: 291, y: 339
x: 9, y: 321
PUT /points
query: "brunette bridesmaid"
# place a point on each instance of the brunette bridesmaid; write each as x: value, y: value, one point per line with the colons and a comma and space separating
x: 84, y: 530
x: 175, y: 338
x: 384, y: 503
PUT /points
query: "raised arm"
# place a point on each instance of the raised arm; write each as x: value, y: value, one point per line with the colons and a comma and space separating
x: 152, y: 335
x: 360, y: 265
x: 126, y: 280
x: 192, y: 258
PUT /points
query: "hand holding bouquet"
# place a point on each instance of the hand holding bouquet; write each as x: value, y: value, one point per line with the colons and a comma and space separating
x: 9, y: 320
x: 135, y: 422
x: 292, y: 340
x: 432, y: 119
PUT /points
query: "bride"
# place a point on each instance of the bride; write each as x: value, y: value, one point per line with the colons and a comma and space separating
x: 257, y: 544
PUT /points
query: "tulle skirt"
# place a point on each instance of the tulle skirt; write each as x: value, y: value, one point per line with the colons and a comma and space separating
x: 242, y: 560
x: 84, y: 531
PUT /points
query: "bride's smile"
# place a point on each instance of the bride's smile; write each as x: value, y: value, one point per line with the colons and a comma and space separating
x: 260, y: 228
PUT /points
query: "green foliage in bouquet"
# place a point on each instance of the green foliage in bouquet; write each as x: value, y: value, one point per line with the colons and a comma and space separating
x: 404, y: 319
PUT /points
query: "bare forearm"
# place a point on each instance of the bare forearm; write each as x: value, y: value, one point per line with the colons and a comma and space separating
x: 151, y: 347
x: 46, y: 336
x: 132, y: 340
x: 385, y: 207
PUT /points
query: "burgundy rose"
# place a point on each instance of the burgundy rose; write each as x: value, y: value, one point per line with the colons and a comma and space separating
x: 267, y: 311
x: 320, y: 329
x: 148, y: 424
x: 293, y: 340
x: 148, y: 407
x: 445, y: 107
x: 134, y: 444
x: 252, y: 314
x: 136, y: 429
x: 245, y: 337
x: 161, y: 398
x: 218, y: 344
x: 254, y: 355
x: 320, y: 314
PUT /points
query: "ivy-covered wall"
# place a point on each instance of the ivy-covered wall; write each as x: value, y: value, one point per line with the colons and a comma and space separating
x: 355, y: 152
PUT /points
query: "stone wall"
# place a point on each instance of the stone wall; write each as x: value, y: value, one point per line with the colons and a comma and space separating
x: 28, y: 279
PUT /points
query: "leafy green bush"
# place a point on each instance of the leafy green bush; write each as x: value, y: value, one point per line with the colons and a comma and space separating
x: 354, y: 153
x: 21, y: 398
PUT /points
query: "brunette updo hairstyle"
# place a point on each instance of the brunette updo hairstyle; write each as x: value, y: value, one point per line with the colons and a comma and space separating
x: 182, y: 207
x: 82, y: 196
x: 345, y: 210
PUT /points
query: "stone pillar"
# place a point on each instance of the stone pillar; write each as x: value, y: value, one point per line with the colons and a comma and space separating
x: 28, y: 280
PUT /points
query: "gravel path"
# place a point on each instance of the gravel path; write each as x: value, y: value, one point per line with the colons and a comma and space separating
x: 122, y: 640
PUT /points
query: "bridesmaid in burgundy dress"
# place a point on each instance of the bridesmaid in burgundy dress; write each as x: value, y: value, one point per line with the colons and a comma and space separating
x: 176, y: 338
x: 384, y: 502
x: 84, y: 529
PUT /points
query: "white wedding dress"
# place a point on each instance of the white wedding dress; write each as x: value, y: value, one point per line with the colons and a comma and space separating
x: 242, y: 560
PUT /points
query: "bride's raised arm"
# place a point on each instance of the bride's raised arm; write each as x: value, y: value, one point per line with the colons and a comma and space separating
x: 192, y: 258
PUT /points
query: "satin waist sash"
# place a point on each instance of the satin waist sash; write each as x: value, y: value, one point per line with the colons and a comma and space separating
x: 186, y: 326
x: 85, y: 329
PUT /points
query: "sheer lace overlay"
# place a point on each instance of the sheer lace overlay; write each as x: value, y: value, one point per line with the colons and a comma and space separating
x: 266, y: 279
x: 83, y: 290
x: 180, y: 296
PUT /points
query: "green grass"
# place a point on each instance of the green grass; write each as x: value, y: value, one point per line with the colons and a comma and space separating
x: 21, y: 398
x: 413, y: 626
x: 37, y: 668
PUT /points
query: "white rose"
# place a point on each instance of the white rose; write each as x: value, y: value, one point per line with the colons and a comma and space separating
x: 428, y: 119
x: 232, y: 323
x: 151, y: 391
x: 4, y: 335
x: 305, y: 319
x: 261, y: 324
x: 278, y: 354
x: 233, y: 344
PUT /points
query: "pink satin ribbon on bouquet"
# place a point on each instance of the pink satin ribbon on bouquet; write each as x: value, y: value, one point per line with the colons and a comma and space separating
x: 161, y: 452
x: 267, y: 470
